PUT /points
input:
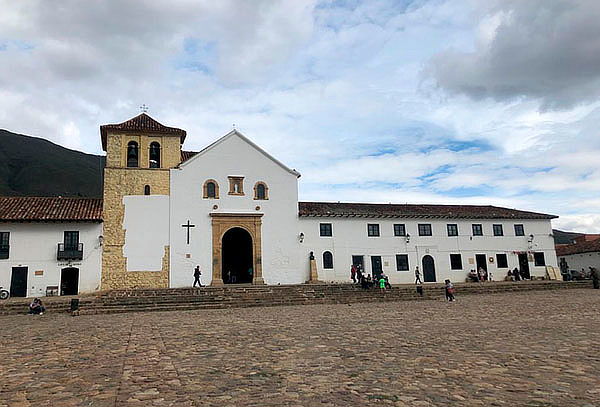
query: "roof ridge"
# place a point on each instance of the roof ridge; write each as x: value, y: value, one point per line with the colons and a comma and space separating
x: 407, y: 210
x: 47, y: 197
x: 141, y: 123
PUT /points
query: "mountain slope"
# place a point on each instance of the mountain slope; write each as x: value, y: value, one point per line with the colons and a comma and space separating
x: 31, y: 166
x: 562, y: 237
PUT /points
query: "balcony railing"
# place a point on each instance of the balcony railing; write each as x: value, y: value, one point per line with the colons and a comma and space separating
x: 69, y: 252
x: 4, y: 251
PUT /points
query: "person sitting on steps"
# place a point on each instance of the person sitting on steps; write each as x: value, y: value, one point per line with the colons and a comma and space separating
x: 36, y: 307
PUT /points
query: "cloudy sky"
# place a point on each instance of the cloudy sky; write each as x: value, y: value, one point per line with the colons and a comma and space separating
x: 457, y: 101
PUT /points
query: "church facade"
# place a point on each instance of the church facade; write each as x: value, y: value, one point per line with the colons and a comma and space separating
x: 232, y: 209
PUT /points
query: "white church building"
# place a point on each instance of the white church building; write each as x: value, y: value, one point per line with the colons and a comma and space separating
x: 232, y: 209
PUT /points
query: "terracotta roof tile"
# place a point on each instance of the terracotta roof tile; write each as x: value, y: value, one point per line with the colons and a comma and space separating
x: 50, y: 209
x: 186, y: 155
x: 141, y: 123
x: 325, y: 209
x: 583, y: 247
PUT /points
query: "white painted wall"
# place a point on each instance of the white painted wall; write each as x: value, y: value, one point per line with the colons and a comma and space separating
x: 350, y: 238
x: 146, y: 224
x: 234, y: 157
x: 582, y: 261
x: 34, y: 245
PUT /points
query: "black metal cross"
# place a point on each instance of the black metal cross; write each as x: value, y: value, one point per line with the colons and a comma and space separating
x: 188, y: 226
x: 143, y: 108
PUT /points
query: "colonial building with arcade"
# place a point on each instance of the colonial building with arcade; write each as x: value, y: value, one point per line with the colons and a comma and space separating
x: 233, y: 210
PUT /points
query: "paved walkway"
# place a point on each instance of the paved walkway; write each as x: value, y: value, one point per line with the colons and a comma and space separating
x: 479, y: 351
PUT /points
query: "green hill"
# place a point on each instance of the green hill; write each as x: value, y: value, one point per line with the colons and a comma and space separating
x: 31, y: 166
x: 562, y: 237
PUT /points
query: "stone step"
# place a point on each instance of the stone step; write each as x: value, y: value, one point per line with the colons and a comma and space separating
x: 120, y: 308
x: 232, y: 299
x: 248, y: 296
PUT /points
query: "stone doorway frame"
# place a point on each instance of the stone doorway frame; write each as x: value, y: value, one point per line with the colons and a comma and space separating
x: 223, y: 222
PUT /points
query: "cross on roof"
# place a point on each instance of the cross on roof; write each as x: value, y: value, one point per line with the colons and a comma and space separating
x: 143, y: 108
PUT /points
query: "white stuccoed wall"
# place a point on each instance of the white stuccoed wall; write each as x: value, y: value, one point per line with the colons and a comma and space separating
x: 350, y: 238
x: 234, y: 157
x: 146, y: 225
x: 582, y: 260
x: 34, y: 245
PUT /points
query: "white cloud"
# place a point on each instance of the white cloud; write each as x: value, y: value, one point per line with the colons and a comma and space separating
x: 334, y: 90
x: 541, y: 49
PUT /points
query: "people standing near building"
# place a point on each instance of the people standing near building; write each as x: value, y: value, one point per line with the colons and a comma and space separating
x: 473, y: 276
x: 197, y: 275
x: 353, y: 273
x: 516, y: 274
x: 387, y: 280
x: 359, y: 273
x: 418, y: 276
x: 449, y: 291
x: 481, y: 273
x: 595, y: 277
x: 490, y: 276
x: 523, y: 275
x: 382, y: 282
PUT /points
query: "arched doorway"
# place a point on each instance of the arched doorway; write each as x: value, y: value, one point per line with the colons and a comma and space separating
x: 237, y: 262
x: 428, y: 269
x: 69, y: 281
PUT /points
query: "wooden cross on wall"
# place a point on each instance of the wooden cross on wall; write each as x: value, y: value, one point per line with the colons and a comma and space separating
x: 188, y: 225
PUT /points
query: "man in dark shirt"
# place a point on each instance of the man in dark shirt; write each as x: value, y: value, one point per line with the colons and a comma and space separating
x: 197, y: 275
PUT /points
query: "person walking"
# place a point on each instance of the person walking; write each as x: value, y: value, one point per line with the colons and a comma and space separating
x: 353, y: 273
x: 449, y: 291
x: 418, y: 276
x: 197, y: 275
x: 595, y: 277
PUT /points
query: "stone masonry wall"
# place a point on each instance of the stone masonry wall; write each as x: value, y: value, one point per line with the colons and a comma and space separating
x: 119, y: 182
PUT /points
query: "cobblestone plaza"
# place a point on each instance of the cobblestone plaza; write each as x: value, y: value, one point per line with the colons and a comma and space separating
x: 511, y: 349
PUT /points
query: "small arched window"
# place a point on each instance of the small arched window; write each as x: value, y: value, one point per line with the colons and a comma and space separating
x: 211, y: 189
x: 132, y: 154
x: 154, y: 155
x: 261, y: 191
x: 147, y: 190
x: 327, y: 260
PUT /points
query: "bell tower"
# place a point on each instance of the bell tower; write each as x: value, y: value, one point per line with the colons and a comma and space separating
x: 139, y: 154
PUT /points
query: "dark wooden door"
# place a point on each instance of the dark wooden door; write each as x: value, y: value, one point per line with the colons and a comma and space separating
x: 481, y: 261
x: 358, y: 260
x: 18, y: 282
x: 524, y: 265
x: 428, y: 269
x: 69, y: 281
x: 376, y: 267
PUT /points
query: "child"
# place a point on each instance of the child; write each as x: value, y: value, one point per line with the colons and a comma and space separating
x: 382, y: 282
x: 449, y: 291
